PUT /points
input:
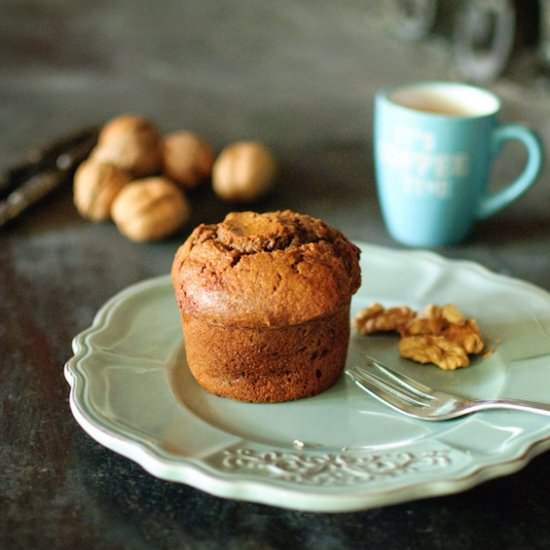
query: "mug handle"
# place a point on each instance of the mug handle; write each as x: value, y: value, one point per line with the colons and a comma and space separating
x: 493, y: 202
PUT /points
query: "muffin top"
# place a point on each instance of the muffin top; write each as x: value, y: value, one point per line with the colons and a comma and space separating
x: 271, y: 269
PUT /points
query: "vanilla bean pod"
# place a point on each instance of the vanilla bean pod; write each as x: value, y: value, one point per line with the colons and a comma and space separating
x: 41, y: 159
x: 54, y: 172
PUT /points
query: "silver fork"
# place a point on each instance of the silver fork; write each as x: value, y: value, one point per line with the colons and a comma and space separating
x: 415, y: 399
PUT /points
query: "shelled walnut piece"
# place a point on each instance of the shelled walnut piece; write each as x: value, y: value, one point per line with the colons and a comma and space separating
x: 447, y: 321
x: 439, y: 350
x: 376, y: 318
x: 440, y: 335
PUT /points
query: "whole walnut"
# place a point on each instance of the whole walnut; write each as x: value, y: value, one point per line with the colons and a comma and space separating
x: 96, y: 185
x: 131, y: 142
x: 243, y: 171
x: 150, y: 209
x: 187, y: 158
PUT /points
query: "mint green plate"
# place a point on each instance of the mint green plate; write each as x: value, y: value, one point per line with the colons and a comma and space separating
x: 341, y: 450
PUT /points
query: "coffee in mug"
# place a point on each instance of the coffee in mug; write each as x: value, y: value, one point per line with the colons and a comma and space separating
x: 434, y: 145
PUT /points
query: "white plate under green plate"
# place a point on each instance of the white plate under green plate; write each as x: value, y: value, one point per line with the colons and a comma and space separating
x: 341, y: 450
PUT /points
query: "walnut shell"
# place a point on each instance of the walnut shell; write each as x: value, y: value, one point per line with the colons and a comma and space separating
x: 243, y: 171
x: 96, y: 185
x: 131, y: 142
x: 150, y: 209
x: 187, y: 158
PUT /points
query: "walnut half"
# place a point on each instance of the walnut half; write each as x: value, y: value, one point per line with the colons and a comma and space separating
x: 376, y: 318
x: 440, y: 351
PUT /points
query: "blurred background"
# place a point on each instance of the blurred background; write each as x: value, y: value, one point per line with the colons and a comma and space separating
x: 220, y: 66
x: 298, y: 76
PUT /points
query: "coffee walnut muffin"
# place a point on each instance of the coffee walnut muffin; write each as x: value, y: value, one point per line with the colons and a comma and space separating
x: 264, y: 302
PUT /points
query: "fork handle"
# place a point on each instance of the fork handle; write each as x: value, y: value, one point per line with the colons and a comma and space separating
x: 516, y: 404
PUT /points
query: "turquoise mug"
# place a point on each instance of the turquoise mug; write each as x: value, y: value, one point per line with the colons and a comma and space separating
x: 434, y: 145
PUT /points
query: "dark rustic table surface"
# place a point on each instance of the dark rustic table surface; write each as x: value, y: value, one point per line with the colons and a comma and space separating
x: 300, y: 77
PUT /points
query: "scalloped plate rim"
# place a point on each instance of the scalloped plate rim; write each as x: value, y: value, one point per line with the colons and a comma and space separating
x: 192, y: 472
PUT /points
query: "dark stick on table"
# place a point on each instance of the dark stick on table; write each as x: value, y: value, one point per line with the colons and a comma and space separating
x: 31, y: 180
x: 41, y: 158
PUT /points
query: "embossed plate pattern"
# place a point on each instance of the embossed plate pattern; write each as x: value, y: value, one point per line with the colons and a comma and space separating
x: 341, y: 450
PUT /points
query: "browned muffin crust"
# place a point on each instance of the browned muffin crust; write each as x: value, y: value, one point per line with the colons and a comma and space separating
x: 268, y: 365
x: 272, y: 269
